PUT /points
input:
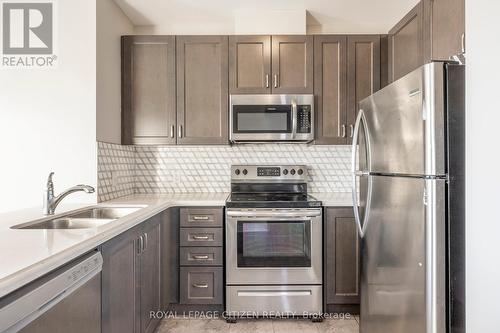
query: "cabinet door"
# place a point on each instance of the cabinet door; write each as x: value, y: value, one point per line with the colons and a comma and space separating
x: 150, y: 274
x: 250, y: 64
x: 330, y: 88
x: 169, y: 257
x: 120, y: 280
x: 292, y: 64
x: 363, y: 74
x: 148, y: 90
x: 202, y: 90
x: 342, y: 257
x: 448, y: 28
x: 406, y: 44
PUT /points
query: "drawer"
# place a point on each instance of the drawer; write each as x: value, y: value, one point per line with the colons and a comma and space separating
x: 201, y: 237
x: 201, y: 256
x: 201, y: 217
x: 201, y: 285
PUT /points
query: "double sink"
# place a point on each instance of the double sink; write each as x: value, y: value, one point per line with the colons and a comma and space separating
x: 82, y: 219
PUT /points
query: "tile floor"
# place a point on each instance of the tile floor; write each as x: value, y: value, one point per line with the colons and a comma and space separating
x: 185, y: 325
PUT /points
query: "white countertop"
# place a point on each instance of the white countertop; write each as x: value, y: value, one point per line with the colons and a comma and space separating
x: 27, y: 254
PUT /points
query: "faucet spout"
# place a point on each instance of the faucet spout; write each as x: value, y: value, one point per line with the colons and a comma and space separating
x: 51, y: 202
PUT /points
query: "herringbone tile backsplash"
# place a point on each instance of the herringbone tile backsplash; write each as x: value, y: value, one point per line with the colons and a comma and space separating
x: 185, y: 169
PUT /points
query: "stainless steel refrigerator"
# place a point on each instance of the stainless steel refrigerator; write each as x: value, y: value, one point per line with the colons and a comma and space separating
x: 408, y: 192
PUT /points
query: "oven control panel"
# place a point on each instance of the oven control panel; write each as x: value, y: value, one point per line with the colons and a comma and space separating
x: 269, y: 173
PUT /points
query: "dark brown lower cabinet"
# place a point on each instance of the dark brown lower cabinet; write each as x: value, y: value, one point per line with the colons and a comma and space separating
x: 131, y: 279
x: 342, y: 261
x: 201, y: 278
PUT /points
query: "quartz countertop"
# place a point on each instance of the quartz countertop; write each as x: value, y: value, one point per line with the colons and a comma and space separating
x: 27, y: 254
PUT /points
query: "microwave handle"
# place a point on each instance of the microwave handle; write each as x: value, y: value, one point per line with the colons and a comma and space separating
x: 294, y: 118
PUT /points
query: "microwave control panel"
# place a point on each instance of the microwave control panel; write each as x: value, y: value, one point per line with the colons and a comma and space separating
x: 304, y: 119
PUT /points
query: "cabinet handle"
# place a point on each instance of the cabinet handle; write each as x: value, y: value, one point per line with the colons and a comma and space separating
x: 198, y: 218
x: 275, y: 79
x: 463, y: 43
x: 196, y: 285
x: 200, y: 257
x: 267, y: 80
x: 351, y: 130
x: 200, y: 237
x: 180, y: 131
x: 342, y: 133
x: 172, y: 131
x: 140, y: 244
x: 145, y: 242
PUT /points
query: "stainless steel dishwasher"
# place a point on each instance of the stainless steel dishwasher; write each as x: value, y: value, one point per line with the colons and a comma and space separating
x: 66, y: 300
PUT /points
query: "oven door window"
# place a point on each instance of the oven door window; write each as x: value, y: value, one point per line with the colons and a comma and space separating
x: 274, y: 244
x: 262, y: 119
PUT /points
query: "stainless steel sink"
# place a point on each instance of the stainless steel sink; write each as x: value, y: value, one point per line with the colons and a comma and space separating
x: 104, y: 213
x: 83, y: 219
x: 67, y: 223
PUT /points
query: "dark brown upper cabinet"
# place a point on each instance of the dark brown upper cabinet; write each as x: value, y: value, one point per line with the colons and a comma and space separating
x: 250, y: 64
x: 330, y: 88
x: 148, y: 90
x: 432, y: 30
x: 363, y: 74
x: 448, y: 28
x: 271, y: 64
x: 292, y: 64
x: 347, y: 70
x: 202, y: 90
x: 406, y: 49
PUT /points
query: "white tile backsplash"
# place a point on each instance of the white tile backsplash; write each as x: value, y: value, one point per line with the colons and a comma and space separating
x: 183, y: 169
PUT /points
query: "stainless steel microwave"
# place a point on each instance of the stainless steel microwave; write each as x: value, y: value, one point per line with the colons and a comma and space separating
x: 260, y: 118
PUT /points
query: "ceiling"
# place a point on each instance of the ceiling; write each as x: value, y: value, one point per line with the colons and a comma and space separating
x: 210, y: 16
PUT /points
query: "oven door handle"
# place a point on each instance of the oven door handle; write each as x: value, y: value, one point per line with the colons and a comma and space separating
x: 274, y: 215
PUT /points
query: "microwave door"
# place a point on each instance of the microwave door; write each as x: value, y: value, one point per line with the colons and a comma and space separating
x: 262, y: 122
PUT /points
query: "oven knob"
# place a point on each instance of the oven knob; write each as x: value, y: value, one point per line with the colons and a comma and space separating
x: 237, y: 172
x: 300, y: 172
x: 285, y: 172
x: 292, y: 172
x: 245, y: 172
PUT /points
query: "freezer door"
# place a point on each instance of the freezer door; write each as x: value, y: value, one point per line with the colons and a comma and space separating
x: 403, y: 257
x: 405, y: 124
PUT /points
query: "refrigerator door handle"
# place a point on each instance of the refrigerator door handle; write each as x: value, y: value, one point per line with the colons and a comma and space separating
x: 355, y: 173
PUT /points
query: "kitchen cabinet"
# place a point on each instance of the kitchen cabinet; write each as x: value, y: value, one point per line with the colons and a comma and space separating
x: 363, y: 74
x: 330, y: 88
x: 342, y: 261
x: 131, y: 279
x: 448, y: 28
x: 170, y: 258
x: 432, y: 30
x: 202, y: 90
x: 250, y: 64
x: 346, y: 70
x: 271, y: 64
x: 292, y: 64
x: 148, y: 90
x: 406, y: 49
x: 201, y: 256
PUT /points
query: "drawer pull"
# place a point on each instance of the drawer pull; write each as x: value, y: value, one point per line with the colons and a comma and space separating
x: 200, y: 218
x: 204, y: 286
x: 200, y: 237
x: 201, y: 257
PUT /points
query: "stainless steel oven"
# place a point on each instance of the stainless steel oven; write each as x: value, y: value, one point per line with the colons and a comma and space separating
x: 274, y: 246
x: 258, y: 118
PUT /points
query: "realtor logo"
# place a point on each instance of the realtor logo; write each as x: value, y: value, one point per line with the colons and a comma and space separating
x: 28, y: 33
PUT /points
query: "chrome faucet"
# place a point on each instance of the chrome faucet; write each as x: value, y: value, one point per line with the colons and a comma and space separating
x: 50, y: 201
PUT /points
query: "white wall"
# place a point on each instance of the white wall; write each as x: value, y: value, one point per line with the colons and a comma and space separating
x: 47, y: 116
x: 111, y: 25
x: 483, y: 166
